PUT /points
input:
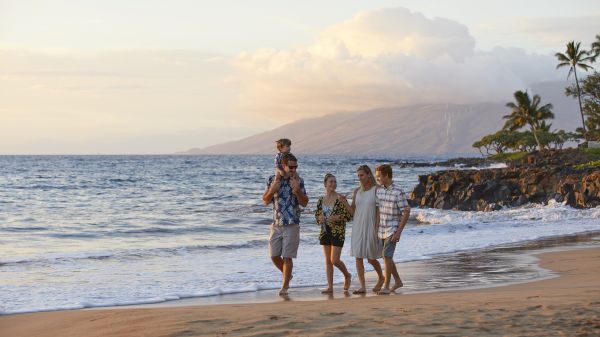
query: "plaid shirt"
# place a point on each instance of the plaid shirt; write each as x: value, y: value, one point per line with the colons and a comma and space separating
x: 286, y: 208
x: 391, y: 201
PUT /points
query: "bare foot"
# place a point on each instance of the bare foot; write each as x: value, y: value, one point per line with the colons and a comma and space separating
x: 378, y: 286
x: 327, y: 291
x: 384, y: 291
x: 283, y: 292
x: 396, y: 286
x: 361, y: 290
x: 347, y: 281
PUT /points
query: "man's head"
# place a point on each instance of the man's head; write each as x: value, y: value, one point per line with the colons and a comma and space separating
x: 283, y: 145
x: 383, y: 173
x: 290, y: 163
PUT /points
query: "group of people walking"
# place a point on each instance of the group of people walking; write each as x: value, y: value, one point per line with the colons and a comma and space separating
x: 379, y: 213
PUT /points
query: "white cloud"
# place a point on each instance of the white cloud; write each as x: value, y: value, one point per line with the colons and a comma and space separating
x: 387, y: 57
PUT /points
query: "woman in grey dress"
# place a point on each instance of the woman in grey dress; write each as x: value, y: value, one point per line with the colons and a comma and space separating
x: 365, y: 243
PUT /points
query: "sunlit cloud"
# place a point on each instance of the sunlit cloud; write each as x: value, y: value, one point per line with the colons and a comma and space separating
x: 386, y: 57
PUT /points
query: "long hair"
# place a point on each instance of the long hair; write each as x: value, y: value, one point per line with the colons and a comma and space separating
x: 366, y: 169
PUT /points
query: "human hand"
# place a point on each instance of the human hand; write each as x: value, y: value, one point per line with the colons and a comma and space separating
x: 275, y: 185
x: 334, y: 218
x: 295, y: 184
x: 396, y: 237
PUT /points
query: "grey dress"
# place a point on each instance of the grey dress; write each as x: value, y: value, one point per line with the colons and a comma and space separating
x: 365, y: 243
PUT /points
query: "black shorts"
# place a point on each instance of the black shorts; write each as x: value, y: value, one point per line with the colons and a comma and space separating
x: 330, y: 237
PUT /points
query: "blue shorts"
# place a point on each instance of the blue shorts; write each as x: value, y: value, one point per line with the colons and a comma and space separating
x: 389, y: 246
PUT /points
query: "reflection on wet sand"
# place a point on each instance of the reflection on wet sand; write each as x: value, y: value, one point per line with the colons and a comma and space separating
x: 471, y: 269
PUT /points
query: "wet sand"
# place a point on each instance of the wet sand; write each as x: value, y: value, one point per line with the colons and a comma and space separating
x: 564, y: 300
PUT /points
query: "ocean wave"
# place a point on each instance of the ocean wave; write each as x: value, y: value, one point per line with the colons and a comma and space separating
x: 23, y: 229
x: 553, y: 211
x: 133, y: 253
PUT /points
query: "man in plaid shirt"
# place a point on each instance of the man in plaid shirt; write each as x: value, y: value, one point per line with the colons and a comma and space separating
x: 392, y: 215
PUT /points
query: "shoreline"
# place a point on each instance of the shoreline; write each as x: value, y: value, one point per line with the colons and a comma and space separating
x: 568, y: 303
x: 420, y: 276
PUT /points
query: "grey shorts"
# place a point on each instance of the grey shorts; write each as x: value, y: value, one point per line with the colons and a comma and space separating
x: 389, y: 246
x: 284, y: 240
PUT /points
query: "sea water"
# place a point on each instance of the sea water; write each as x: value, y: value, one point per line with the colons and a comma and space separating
x: 95, y: 231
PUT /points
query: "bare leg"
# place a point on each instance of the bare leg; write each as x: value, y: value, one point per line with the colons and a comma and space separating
x: 328, y: 270
x: 377, y: 268
x: 360, y: 270
x: 389, y: 265
x: 397, y: 281
x: 288, y: 265
x: 335, y: 259
x: 278, y: 262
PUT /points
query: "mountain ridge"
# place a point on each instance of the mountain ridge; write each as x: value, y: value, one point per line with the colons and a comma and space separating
x: 440, y: 128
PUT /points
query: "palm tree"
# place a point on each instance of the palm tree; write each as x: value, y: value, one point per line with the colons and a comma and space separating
x: 575, y: 57
x: 528, y: 112
x: 596, y: 48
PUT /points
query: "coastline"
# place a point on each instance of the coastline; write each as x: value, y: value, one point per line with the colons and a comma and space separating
x: 495, y: 266
x: 567, y: 303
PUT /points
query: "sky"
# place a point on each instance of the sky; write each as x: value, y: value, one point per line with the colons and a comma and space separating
x: 156, y: 77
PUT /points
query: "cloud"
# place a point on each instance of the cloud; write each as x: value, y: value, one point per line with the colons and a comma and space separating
x: 110, y: 102
x: 386, y: 57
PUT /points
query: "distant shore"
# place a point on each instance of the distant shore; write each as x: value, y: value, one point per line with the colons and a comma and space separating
x: 567, y: 305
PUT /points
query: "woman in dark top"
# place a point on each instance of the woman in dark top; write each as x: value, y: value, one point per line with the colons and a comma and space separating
x: 333, y: 211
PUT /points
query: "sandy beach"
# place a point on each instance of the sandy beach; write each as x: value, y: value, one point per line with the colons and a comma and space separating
x: 566, y: 305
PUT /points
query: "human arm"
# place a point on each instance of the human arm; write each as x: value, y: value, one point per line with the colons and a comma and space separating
x: 403, y: 221
x: 272, y: 188
x: 349, y: 208
x: 340, y: 211
x: 377, y: 218
x: 354, y: 200
x: 319, y: 216
x: 298, y: 190
x: 401, y: 203
x: 377, y: 215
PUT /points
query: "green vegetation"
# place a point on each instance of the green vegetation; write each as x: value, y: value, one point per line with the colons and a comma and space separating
x: 590, y: 94
x: 590, y: 151
x: 528, y: 112
x: 574, y: 58
x: 508, y: 156
x: 509, y: 143
x: 515, y: 141
x: 592, y: 164
x: 596, y: 47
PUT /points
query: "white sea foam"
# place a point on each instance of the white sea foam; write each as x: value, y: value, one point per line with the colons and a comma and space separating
x: 186, y: 234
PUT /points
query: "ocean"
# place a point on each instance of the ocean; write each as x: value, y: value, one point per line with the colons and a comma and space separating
x: 97, y: 231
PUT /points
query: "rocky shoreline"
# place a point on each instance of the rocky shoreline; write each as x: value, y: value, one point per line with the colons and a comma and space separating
x: 538, y: 178
x: 454, y: 162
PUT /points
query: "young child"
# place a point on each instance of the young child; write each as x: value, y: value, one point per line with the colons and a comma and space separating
x: 283, y: 146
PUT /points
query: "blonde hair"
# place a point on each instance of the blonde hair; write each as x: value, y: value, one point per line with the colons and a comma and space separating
x: 366, y: 169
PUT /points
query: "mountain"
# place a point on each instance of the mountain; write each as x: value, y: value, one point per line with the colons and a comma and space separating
x: 418, y: 129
